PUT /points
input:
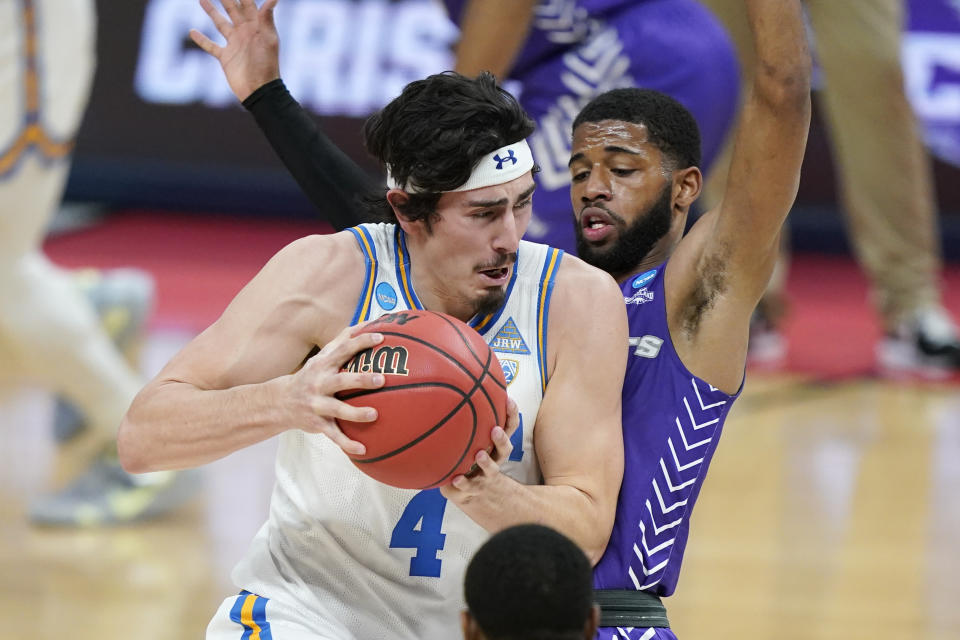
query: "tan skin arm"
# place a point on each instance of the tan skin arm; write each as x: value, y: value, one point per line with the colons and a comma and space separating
x: 578, y: 436
x: 251, y: 56
x: 240, y: 381
x: 492, y: 33
x: 719, y: 271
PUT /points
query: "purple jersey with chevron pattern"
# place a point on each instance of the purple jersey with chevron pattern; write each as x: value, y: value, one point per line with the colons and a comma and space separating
x: 557, y: 25
x: 671, y: 425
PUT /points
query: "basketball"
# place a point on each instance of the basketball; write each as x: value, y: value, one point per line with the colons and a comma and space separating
x: 444, y: 392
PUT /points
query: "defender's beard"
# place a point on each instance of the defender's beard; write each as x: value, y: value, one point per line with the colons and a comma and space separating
x: 634, y: 241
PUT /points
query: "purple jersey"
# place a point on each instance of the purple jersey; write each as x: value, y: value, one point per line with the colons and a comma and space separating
x: 671, y: 425
x: 557, y: 25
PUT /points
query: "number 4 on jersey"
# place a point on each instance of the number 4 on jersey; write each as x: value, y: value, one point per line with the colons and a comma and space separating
x: 419, y: 528
x: 420, y: 524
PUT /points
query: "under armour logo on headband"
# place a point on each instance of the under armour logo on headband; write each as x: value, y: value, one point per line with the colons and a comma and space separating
x: 512, y: 158
x: 497, y: 167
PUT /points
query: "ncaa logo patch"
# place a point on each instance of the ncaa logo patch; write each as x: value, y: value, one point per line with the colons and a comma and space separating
x: 386, y: 296
x: 643, y: 278
x: 510, y: 368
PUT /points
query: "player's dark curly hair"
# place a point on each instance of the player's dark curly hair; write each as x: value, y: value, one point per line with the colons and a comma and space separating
x: 434, y: 133
x: 671, y: 128
x: 530, y: 582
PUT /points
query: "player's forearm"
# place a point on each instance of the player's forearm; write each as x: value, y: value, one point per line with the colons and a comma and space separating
x: 783, y: 66
x: 175, y: 425
x: 478, y: 49
x: 331, y: 180
x: 585, y: 519
x: 769, y: 147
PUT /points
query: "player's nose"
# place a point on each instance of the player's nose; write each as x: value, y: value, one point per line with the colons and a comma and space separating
x: 596, y: 187
x: 508, y: 233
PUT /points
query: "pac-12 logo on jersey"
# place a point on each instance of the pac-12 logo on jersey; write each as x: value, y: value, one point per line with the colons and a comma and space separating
x: 646, y: 346
x: 509, y: 340
x: 510, y: 368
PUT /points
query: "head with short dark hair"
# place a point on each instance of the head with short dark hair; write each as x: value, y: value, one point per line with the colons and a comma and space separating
x: 433, y: 134
x: 670, y: 126
x: 634, y: 174
x: 529, y: 582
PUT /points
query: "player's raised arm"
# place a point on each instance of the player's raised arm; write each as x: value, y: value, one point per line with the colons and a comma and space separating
x: 578, y: 435
x: 250, y: 61
x: 770, y: 142
x: 241, y: 380
x: 717, y: 273
x: 477, y: 50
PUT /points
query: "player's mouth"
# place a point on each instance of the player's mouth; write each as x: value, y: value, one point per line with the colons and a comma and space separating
x: 498, y: 273
x: 596, y: 224
x: 495, y: 277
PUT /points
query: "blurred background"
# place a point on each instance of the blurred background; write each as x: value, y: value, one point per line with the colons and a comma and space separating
x: 832, y: 509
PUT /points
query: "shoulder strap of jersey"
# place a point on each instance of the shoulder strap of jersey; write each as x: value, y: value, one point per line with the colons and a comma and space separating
x: 551, y: 265
x: 369, y: 249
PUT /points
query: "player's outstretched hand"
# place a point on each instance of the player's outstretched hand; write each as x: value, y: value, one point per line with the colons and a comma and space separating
x: 251, y: 56
x: 487, y: 466
x: 312, y: 389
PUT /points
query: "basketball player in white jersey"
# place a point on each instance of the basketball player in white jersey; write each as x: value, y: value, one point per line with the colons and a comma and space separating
x: 342, y: 556
x: 49, y: 331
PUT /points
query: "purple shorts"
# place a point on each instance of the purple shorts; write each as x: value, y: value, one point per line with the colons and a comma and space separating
x: 619, y: 633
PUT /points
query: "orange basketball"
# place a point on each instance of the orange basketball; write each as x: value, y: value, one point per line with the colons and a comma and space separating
x: 444, y: 392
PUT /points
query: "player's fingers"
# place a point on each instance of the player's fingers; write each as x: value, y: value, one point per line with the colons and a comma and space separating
x: 230, y: 6
x: 345, y: 381
x: 233, y: 10
x: 266, y: 12
x: 513, y: 416
x: 460, y: 483
x: 248, y: 8
x: 350, y: 447
x: 502, y: 447
x: 330, y: 407
x: 219, y: 21
x: 344, y: 348
x: 205, y: 43
x: 485, y: 462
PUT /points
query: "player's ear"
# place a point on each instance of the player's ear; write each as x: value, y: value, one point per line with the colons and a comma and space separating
x: 593, y: 621
x: 469, y: 626
x: 397, y: 198
x: 687, y: 185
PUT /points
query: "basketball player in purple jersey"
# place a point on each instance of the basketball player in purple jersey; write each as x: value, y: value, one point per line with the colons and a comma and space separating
x: 563, y: 53
x: 634, y: 171
x: 689, y: 298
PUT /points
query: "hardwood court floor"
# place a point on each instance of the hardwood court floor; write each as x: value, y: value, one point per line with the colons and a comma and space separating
x: 830, y: 512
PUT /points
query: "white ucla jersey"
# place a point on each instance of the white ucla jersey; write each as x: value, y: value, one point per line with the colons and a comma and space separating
x: 364, y: 560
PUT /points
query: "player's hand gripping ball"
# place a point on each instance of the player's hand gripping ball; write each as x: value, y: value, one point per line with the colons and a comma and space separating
x: 444, y: 393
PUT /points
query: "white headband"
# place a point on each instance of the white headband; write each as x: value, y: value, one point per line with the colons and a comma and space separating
x: 502, y: 165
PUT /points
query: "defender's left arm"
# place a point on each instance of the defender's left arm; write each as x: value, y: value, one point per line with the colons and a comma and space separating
x: 578, y: 436
x: 718, y: 273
